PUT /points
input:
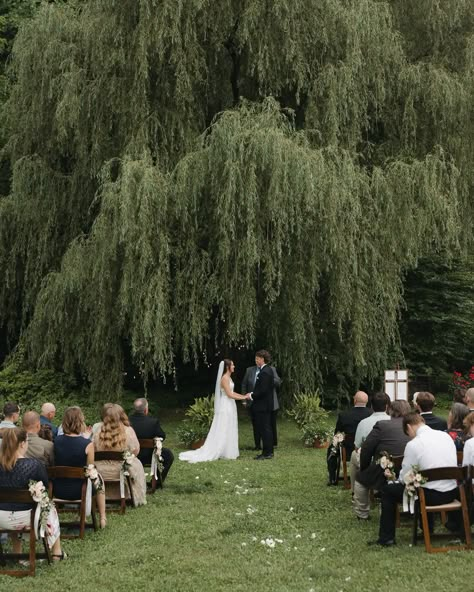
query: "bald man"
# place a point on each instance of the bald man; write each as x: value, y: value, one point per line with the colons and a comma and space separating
x: 348, y: 421
x: 38, y: 448
x: 48, y: 411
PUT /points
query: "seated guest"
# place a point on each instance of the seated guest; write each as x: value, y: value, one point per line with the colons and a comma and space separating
x: 115, y: 436
x: 347, y: 422
x: 456, y: 418
x: 46, y: 433
x: 380, y: 404
x: 469, y: 398
x: 71, y: 449
x: 11, y: 414
x: 15, y: 472
x: 386, y: 436
x: 425, y: 403
x: 37, y: 447
x: 146, y: 426
x: 48, y: 411
x: 468, y: 453
x: 427, y: 449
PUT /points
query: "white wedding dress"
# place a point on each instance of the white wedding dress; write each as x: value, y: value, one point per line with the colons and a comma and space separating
x: 223, y: 438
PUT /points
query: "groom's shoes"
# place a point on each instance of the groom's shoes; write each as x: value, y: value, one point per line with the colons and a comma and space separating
x: 264, y: 457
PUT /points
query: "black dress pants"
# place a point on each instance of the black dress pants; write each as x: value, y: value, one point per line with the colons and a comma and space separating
x: 392, y: 495
x: 264, y: 425
x: 257, y: 437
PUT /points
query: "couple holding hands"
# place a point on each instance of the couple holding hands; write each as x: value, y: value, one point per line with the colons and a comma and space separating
x: 223, y: 438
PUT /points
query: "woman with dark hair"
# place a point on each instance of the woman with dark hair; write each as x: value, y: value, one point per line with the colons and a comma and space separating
x: 455, y: 429
x: 223, y: 438
x: 71, y: 449
x: 16, y: 471
x: 116, y: 435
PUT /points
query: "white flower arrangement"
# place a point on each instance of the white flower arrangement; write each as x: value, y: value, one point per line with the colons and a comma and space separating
x: 412, y: 480
x: 91, y: 472
x: 157, y: 460
x: 41, y: 497
x: 386, y: 464
x: 127, y: 462
x: 337, y: 440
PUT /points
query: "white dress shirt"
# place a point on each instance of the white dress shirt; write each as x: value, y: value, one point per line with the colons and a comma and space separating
x: 365, y: 426
x: 431, y: 449
x: 468, y: 453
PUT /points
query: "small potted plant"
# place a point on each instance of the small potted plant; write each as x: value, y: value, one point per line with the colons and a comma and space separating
x: 312, y: 419
x: 193, y: 431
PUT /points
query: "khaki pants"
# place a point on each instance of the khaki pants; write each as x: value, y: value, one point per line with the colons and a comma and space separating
x: 360, y: 493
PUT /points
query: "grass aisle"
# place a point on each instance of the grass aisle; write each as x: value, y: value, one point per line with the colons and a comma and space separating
x: 203, y: 533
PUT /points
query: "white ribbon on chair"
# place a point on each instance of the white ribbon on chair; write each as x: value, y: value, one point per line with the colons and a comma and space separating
x: 156, y: 458
x: 89, y: 498
x: 122, y: 482
x: 409, y: 502
x: 39, y: 528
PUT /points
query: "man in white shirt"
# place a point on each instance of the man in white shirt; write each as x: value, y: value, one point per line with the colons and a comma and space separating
x: 428, y: 449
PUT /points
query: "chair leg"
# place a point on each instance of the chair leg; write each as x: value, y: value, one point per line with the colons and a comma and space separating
x: 415, y: 525
x: 424, y: 522
x: 32, y: 568
x: 82, y: 520
x: 93, y: 513
x: 465, y: 516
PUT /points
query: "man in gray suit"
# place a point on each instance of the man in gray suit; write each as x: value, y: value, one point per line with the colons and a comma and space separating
x: 37, y: 447
x: 248, y: 384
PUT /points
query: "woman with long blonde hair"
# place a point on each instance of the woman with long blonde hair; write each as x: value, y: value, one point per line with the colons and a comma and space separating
x: 116, y: 435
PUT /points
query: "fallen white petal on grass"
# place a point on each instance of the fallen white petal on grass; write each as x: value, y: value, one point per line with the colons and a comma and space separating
x: 348, y: 578
x: 196, y: 477
x: 291, y: 509
x: 297, y: 536
x: 313, y: 535
x: 322, y: 549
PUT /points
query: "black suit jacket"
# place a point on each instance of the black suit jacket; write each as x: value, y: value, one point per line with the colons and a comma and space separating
x: 262, y: 394
x: 435, y: 422
x: 146, y: 426
x: 347, y: 421
x: 386, y: 436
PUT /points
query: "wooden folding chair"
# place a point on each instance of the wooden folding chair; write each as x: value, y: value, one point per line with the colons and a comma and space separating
x: 460, y: 455
x: 348, y: 439
x: 10, y: 495
x: 149, y: 444
x: 77, y: 506
x: 122, y: 501
x: 422, y: 509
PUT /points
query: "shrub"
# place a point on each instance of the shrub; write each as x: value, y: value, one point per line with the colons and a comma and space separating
x: 311, y: 418
x: 199, y: 419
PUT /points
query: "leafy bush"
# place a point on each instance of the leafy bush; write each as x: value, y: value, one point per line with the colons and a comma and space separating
x: 200, y: 415
x: 311, y: 418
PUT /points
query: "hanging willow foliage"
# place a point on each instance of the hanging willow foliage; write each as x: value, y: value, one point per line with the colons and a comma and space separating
x: 163, y: 201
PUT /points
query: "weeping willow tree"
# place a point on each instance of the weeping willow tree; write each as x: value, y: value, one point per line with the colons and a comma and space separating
x: 195, y: 174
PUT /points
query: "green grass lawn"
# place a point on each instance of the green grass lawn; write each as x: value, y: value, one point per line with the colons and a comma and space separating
x: 203, y: 533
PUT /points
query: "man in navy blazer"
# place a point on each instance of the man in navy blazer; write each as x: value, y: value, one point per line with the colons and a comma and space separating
x: 424, y: 403
x: 248, y: 384
x: 262, y: 402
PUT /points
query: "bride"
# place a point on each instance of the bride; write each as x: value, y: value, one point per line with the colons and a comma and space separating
x: 223, y: 438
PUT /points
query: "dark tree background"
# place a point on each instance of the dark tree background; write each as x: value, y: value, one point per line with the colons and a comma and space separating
x: 191, y: 178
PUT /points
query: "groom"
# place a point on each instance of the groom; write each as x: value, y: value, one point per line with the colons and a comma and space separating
x: 262, y: 397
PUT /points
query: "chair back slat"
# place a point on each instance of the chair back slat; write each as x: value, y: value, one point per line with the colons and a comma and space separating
x: 439, y: 474
x: 108, y: 455
x: 11, y: 495
x: 61, y: 472
x: 460, y: 455
x: 146, y: 443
